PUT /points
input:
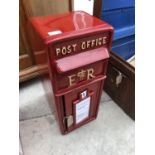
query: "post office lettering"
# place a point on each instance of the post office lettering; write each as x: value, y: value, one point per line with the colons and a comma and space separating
x: 66, y: 49
x: 72, y: 79
x: 90, y: 73
x: 81, y: 46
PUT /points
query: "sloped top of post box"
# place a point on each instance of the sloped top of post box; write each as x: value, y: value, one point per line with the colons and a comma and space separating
x: 55, y: 27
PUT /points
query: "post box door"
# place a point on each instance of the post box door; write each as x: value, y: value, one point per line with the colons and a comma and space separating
x: 81, y: 105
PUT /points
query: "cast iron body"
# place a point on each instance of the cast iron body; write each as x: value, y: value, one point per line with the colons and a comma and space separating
x: 77, y: 46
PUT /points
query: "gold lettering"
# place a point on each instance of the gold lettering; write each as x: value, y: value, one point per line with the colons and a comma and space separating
x: 88, y: 43
x: 96, y: 42
x: 63, y: 51
x: 72, y: 79
x: 69, y: 49
x: 90, y: 73
x: 92, y: 43
x: 83, y: 45
x: 100, y: 43
x: 57, y: 51
x: 74, y: 47
x: 104, y: 40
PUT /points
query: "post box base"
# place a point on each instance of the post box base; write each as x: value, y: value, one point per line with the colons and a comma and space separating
x: 91, y: 119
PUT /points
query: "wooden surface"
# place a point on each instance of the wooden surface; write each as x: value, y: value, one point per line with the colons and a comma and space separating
x: 31, y: 63
x: 45, y: 7
x: 32, y: 72
x: 124, y: 92
x: 25, y: 55
x: 97, y: 8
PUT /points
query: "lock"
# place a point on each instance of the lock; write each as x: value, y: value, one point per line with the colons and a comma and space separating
x: 68, y: 120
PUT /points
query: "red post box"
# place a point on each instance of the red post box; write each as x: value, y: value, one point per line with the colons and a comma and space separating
x: 77, y: 46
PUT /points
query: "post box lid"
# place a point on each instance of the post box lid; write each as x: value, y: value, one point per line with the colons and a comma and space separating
x: 82, y: 59
x: 63, y: 25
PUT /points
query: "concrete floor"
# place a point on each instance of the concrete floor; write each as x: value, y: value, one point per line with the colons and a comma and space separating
x: 112, y: 133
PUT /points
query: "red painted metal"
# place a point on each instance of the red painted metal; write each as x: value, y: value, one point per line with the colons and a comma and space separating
x: 77, y: 60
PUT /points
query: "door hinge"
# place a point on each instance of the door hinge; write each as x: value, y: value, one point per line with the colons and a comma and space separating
x: 119, y: 77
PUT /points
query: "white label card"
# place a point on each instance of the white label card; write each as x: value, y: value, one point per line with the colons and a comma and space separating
x: 82, y: 110
x: 54, y: 32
